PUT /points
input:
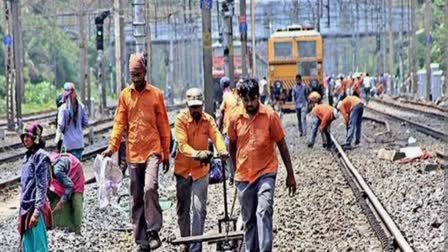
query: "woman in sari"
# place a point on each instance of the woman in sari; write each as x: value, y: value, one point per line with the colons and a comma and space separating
x: 35, y: 213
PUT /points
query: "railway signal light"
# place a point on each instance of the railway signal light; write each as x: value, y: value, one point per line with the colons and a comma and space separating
x: 99, y: 21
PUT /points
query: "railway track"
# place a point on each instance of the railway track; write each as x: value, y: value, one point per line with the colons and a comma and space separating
x: 385, y: 228
x: 428, y: 105
x: 437, y: 133
x: 438, y: 113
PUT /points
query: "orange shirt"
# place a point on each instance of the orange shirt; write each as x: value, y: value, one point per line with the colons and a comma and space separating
x: 346, y: 106
x: 230, y: 100
x: 325, y: 114
x: 144, y: 116
x: 255, y: 140
x: 357, y: 87
x: 192, y: 137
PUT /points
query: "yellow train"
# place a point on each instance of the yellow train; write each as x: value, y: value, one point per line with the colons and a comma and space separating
x: 294, y: 50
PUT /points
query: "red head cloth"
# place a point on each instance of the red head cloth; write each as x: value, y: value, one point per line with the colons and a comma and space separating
x: 137, y: 62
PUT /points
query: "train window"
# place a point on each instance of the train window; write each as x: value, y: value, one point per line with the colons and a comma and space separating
x: 307, y: 49
x: 307, y: 68
x: 282, y: 50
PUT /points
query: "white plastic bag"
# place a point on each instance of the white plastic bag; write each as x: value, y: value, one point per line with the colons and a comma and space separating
x: 108, y: 177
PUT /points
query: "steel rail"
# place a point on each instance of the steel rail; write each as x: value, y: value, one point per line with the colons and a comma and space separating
x: 427, y: 105
x: 440, y: 115
x: 437, y: 134
x: 382, y: 213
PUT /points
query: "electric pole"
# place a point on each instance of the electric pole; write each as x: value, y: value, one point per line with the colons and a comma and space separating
x: 227, y: 14
x: 9, y: 67
x: 148, y: 44
x: 243, y: 35
x: 413, y: 47
x: 254, y: 51
x: 428, y: 42
x: 139, y: 25
x: 18, y: 58
x: 446, y: 50
x: 390, y: 55
x: 118, y: 25
x: 206, y: 6
x: 82, y: 50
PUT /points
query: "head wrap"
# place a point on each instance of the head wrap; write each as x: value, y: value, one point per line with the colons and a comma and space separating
x: 33, y: 130
x: 137, y: 63
x: 69, y: 98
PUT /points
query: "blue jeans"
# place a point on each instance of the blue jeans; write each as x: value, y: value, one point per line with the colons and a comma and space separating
x: 185, y: 189
x: 301, y: 119
x: 257, y: 200
x: 354, y: 124
x: 315, y: 123
x: 77, y: 153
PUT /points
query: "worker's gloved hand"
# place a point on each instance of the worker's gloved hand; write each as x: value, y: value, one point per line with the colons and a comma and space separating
x: 166, y: 165
x: 223, y: 155
x: 204, y: 157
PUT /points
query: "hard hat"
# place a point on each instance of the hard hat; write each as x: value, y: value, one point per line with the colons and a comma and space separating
x: 314, y: 96
x: 194, y: 97
x: 224, y: 82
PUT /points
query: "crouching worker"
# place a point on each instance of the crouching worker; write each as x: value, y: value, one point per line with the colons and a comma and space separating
x: 34, y: 214
x: 351, y: 109
x: 193, y: 128
x: 254, y: 131
x: 322, y: 116
x: 66, y: 191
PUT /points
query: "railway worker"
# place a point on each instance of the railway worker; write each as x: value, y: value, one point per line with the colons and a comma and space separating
x: 35, y: 212
x: 341, y: 88
x: 330, y: 89
x: 72, y: 118
x: 357, y: 85
x: 322, y: 117
x: 58, y: 136
x: 300, y: 93
x: 351, y: 109
x: 193, y: 127
x: 254, y: 131
x: 231, y: 100
x: 66, y: 191
x: 141, y: 111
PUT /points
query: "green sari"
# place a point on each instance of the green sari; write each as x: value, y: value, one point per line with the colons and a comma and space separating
x: 70, y: 215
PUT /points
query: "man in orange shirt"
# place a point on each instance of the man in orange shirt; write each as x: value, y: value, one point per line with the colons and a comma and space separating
x: 322, y: 117
x: 193, y: 128
x: 351, y: 109
x: 253, y: 132
x: 141, y: 111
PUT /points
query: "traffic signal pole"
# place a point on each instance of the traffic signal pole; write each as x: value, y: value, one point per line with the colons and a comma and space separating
x: 207, y: 62
x: 99, y: 22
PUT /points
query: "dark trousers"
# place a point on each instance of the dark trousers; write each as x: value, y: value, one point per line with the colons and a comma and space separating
x: 146, y: 213
x: 354, y: 124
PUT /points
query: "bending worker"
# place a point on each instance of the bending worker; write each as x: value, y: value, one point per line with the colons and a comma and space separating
x: 322, y: 117
x: 351, y: 109
x: 193, y: 128
x: 66, y: 191
x: 141, y: 112
x: 253, y: 132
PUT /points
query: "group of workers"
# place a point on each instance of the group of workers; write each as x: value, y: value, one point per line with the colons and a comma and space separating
x: 247, y: 133
x: 52, y: 184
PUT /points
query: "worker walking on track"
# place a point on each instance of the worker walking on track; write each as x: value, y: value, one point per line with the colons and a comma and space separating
x: 141, y: 111
x: 230, y: 101
x: 253, y: 132
x: 72, y: 118
x: 66, y: 191
x: 322, y: 117
x: 34, y: 212
x: 351, y: 109
x: 193, y: 128
x: 300, y: 93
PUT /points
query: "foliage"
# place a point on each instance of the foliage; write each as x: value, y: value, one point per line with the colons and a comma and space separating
x: 43, y: 93
x: 49, y: 52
